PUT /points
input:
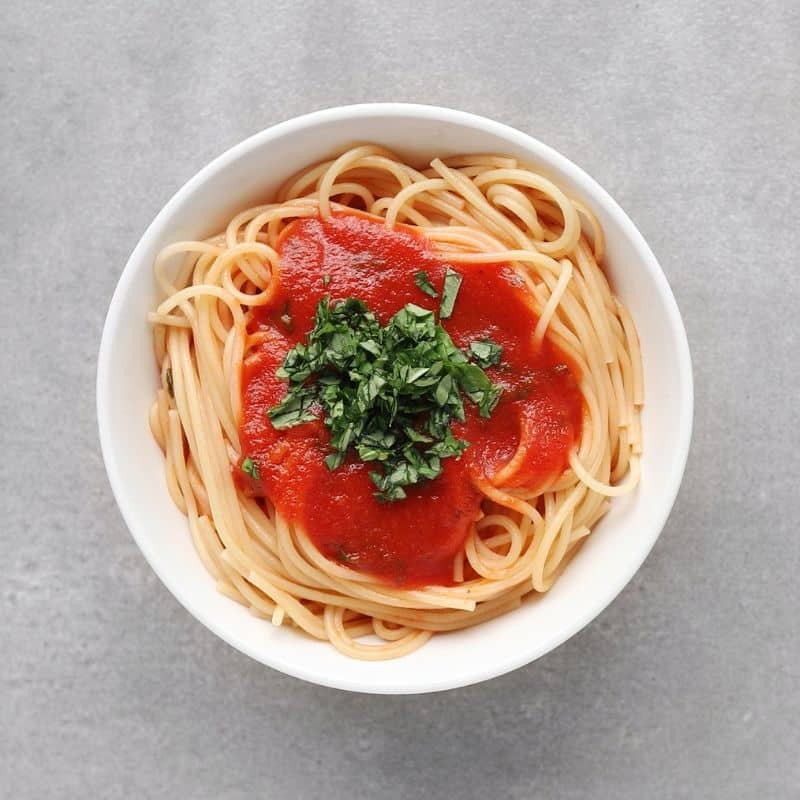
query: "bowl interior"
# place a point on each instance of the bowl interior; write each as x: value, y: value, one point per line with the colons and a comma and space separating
x: 127, y: 380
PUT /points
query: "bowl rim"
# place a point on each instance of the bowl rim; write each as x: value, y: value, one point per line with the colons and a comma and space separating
x: 559, y: 163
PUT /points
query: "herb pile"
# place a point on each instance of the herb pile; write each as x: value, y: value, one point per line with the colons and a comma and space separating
x: 388, y: 392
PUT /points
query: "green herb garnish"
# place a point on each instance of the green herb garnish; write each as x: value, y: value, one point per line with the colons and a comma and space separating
x: 293, y: 410
x: 486, y: 353
x: 170, y: 384
x: 452, y: 283
x: 388, y: 393
x: 424, y: 283
x: 249, y: 467
x: 326, y: 279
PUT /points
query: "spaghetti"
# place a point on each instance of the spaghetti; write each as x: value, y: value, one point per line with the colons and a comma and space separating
x: 472, y: 211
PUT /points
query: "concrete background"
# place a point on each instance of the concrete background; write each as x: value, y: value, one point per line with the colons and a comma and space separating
x: 688, y: 686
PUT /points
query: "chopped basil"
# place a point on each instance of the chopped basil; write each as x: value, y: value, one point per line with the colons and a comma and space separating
x: 478, y: 388
x: 388, y: 394
x: 293, y: 410
x: 424, y: 283
x: 452, y: 283
x: 249, y: 467
x: 170, y: 384
x: 326, y: 279
x: 486, y: 353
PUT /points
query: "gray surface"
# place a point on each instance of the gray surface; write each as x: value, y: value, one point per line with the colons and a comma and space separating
x: 687, y: 686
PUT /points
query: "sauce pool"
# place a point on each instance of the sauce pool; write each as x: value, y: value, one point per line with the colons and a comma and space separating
x: 412, y: 542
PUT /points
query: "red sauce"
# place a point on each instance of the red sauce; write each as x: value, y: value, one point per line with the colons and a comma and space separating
x: 411, y: 542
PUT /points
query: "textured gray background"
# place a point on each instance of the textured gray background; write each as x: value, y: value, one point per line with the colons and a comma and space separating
x: 688, y: 686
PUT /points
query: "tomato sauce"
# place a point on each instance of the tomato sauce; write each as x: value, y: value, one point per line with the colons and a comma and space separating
x: 411, y: 542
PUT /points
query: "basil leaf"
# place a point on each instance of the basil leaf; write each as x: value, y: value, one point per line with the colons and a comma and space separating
x: 424, y: 283
x: 291, y: 411
x: 249, y: 467
x: 486, y: 353
x: 452, y: 283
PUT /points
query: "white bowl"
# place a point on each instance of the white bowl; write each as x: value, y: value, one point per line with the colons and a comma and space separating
x: 127, y: 380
